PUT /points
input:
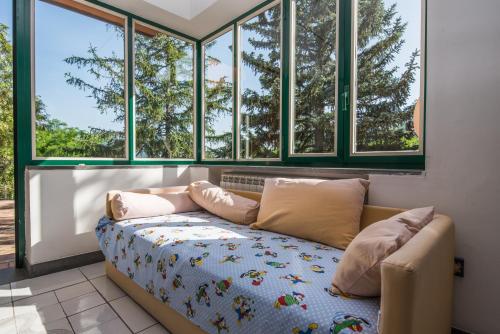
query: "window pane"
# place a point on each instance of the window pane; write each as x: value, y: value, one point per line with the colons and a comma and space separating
x: 315, y: 76
x: 164, y: 95
x: 388, y: 97
x: 218, y: 79
x: 79, y: 82
x: 259, y: 118
x: 6, y: 107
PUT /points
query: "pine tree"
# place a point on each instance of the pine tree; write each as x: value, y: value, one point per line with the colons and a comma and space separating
x: 260, y: 108
x: 164, y: 97
x: 384, y: 114
x: 164, y: 93
x: 315, y: 65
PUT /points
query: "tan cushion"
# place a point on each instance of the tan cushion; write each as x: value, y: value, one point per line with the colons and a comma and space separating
x: 358, y: 273
x: 326, y: 211
x: 220, y: 202
x: 129, y: 205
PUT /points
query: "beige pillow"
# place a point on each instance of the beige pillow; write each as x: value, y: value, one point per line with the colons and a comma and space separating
x: 237, y: 209
x: 358, y: 273
x: 129, y: 205
x: 326, y: 211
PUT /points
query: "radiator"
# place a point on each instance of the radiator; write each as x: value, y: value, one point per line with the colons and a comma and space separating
x: 243, y: 182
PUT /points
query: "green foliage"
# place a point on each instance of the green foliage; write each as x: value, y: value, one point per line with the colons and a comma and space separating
x: 163, y: 101
x: 384, y: 114
x: 315, y: 66
x: 6, y: 117
x: 56, y: 139
x: 164, y: 97
x: 260, y: 108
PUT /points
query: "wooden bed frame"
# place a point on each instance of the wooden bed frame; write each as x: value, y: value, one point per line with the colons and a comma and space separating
x: 417, y: 280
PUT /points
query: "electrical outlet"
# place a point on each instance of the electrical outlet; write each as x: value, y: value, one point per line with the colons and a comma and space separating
x: 459, y: 267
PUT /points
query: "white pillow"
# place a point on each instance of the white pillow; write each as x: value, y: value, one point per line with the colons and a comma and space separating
x: 129, y: 205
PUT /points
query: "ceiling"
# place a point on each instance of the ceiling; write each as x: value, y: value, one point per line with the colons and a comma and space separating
x: 196, y: 18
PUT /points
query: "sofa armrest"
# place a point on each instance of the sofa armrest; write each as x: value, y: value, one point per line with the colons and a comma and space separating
x: 417, y: 282
x: 153, y: 191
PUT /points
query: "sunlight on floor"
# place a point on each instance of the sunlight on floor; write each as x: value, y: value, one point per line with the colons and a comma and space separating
x: 79, y: 300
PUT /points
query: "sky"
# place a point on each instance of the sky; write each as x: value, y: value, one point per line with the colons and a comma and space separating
x: 6, y: 13
x: 222, y: 52
x: 61, y: 33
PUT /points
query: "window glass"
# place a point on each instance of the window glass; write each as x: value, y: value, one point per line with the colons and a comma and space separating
x: 313, y: 116
x: 218, y: 95
x: 6, y: 107
x: 164, y: 95
x: 79, y: 82
x: 388, y: 99
x: 259, y: 119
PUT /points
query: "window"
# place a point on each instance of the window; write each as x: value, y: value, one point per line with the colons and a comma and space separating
x: 313, y: 112
x: 6, y: 108
x: 218, y: 97
x: 387, y: 94
x: 260, y: 85
x: 80, y: 89
x: 164, y: 94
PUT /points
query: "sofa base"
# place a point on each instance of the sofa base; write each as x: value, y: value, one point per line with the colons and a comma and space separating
x: 165, y: 315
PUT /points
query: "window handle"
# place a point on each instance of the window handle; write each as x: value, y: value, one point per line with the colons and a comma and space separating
x: 345, y: 98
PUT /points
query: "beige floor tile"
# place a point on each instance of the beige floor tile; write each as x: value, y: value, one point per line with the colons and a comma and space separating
x: 33, y: 326
x: 44, y: 315
x: 93, y: 270
x: 115, y: 326
x: 92, y: 318
x: 59, y: 326
x: 5, y: 294
x: 133, y: 315
x: 156, y: 329
x: 107, y: 288
x: 74, y: 291
x: 82, y: 303
x: 6, y: 311
x: 8, y: 326
x: 38, y: 285
x: 37, y: 302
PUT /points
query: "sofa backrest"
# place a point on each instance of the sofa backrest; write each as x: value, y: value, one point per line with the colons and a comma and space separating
x: 370, y: 215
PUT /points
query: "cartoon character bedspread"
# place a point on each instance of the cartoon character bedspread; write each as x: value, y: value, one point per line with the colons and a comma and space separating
x: 228, y: 278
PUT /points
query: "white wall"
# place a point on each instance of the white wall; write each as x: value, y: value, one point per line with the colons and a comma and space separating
x: 65, y: 204
x: 463, y: 151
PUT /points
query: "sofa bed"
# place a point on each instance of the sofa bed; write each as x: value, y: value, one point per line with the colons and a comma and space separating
x: 198, y: 273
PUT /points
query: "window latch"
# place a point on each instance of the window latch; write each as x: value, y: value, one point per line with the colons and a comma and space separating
x: 345, y: 98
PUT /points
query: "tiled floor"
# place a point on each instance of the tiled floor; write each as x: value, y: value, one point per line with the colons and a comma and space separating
x: 80, y: 300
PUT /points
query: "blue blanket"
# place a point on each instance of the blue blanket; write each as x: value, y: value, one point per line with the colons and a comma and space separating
x: 227, y: 278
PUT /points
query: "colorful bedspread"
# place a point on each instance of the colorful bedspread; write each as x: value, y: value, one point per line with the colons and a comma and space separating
x: 227, y: 278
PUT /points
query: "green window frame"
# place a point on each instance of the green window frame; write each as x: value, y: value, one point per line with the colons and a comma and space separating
x: 103, y: 15
x: 344, y: 156
x: 203, y: 110
x: 133, y: 125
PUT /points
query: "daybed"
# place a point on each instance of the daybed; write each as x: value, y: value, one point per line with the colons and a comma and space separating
x: 197, y: 273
